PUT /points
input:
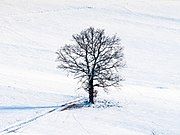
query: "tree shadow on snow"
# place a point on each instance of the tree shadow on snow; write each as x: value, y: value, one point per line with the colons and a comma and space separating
x: 103, y: 104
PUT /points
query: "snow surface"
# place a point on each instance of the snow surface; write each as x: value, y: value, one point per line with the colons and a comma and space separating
x: 31, y: 32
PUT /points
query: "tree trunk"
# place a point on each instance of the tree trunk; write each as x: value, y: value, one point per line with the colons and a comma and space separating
x: 91, y: 91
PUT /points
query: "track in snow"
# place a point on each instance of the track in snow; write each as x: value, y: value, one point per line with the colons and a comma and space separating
x: 18, y: 126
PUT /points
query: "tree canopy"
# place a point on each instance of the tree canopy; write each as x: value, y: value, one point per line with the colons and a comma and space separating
x: 94, y: 59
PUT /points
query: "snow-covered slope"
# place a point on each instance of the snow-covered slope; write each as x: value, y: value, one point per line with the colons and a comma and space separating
x: 32, y: 30
x: 142, y: 111
x: 18, y: 104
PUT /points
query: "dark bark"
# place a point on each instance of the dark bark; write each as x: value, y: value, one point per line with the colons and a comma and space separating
x: 91, y: 91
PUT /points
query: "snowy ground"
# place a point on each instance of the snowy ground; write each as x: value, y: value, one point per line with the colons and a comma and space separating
x: 17, y: 105
x: 32, y: 30
x: 142, y: 111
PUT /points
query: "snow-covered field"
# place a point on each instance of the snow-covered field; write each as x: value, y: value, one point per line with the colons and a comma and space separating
x: 30, y: 85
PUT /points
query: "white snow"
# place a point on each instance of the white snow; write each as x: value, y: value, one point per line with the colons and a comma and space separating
x: 32, y: 30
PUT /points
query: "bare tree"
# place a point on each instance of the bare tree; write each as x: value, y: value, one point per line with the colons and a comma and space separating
x: 94, y: 59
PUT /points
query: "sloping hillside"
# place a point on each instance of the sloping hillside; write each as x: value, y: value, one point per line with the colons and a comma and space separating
x: 32, y: 30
